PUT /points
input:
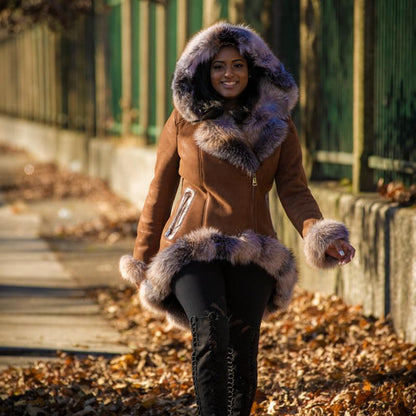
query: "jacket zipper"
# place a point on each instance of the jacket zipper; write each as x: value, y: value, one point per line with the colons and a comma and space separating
x: 185, y: 203
x: 253, y: 200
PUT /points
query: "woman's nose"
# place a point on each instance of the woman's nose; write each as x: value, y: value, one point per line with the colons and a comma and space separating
x: 228, y: 71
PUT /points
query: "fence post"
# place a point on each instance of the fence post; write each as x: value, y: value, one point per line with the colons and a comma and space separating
x: 144, y: 75
x: 161, y: 65
x: 126, y: 87
x: 309, y: 91
x: 33, y: 82
x: 236, y: 11
x: 53, y: 77
x: 100, y: 29
x: 182, y: 25
x: 363, y: 93
x: 210, y: 14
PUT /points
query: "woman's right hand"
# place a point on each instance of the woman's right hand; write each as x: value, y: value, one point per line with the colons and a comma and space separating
x: 341, y: 250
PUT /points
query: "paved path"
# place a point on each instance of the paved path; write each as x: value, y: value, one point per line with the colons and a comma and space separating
x: 43, y: 308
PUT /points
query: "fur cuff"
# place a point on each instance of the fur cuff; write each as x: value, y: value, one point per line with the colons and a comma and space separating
x: 319, y: 237
x: 132, y: 270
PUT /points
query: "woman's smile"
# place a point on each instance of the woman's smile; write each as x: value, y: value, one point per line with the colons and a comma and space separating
x: 229, y: 84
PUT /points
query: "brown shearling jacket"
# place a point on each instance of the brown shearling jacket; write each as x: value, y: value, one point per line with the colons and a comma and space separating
x: 225, y: 168
x: 217, y: 194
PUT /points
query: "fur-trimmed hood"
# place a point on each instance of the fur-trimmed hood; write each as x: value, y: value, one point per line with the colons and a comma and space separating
x: 277, y: 83
x: 248, y: 144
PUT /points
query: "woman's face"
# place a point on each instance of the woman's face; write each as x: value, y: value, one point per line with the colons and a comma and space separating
x: 229, y: 72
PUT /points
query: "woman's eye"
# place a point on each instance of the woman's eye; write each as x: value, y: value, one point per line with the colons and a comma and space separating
x: 217, y: 67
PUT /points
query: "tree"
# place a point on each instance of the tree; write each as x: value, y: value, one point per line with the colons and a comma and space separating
x: 17, y: 15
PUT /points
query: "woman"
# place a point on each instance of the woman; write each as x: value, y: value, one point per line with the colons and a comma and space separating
x: 214, y: 264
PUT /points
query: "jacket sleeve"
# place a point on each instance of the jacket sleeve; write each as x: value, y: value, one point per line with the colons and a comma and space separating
x: 157, y: 206
x: 292, y: 186
x: 302, y: 208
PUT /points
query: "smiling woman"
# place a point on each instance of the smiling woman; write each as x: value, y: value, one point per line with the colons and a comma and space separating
x: 229, y: 72
x: 213, y: 263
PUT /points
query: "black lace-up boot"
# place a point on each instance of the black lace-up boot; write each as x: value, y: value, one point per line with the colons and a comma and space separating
x: 209, y: 357
x: 242, y: 370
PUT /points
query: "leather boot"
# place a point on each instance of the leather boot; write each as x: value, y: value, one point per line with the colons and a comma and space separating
x: 209, y: 358
x: 242, y: 370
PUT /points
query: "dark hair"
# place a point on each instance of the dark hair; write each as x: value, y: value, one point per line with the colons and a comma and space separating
x: 210, y: 104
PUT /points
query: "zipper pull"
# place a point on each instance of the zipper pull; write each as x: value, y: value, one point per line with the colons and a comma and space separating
x: 254, y: 181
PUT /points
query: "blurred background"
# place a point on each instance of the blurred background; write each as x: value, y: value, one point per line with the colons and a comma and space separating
x: 85, y: 90
x: 86, y: 84
x: 104, y: 68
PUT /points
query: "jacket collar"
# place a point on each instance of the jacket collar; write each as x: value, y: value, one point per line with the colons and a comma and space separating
x: 246, y: 146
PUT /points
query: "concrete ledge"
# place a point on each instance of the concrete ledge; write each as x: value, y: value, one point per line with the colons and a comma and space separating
x: 401, y: 281
x: 132, y: 171
x: 382, y: 277
x: 46, y: 143
x: 127, y: 169
x: 38, y: 139
x: 72, y: 150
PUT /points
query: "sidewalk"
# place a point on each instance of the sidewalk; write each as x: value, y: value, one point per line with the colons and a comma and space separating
x: 43, y: 303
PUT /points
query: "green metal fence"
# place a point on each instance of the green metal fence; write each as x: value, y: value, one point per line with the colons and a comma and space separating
x: 171, y: 51
x: 77, y: 80
x: 391, y: 134
x: 136, y: 64
x: 114, y: 66
x: 194, y: 16
x: 152, y: 131
x: 395, y: 90
x: 336, y: 83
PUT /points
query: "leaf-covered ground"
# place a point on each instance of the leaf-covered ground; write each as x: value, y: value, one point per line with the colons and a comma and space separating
x: 321, y: 357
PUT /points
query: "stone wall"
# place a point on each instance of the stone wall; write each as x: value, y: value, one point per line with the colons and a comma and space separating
x: 382, y: 277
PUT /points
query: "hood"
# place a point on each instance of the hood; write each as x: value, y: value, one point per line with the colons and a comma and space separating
x: 276, y: 82
x: 245, y: 145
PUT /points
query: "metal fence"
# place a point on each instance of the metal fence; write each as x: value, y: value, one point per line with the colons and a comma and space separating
x: 49, y: 77
x: 111, y: 74
x: 336, y: 84
x: 156, y: 36
x: 395, y: 90
x: 390, y: 130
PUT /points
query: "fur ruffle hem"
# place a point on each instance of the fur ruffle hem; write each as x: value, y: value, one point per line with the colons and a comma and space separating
x: 207, y: 244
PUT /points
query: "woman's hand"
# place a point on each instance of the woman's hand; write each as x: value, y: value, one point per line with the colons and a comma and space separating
x: 341, y: 250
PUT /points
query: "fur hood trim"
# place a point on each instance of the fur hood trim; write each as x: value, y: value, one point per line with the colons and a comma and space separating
x: 222, y: 138
x: 207, y: 43
x: 246, y: 145
x: 207, y: 244
x: 319, y: 237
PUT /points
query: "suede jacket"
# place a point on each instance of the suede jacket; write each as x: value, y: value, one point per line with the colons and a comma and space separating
x: 225, y: 170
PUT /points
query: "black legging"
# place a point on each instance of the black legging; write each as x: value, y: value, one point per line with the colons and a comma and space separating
x: 224, y: 304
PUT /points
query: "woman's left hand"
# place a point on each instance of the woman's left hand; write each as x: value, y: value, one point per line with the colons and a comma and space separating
x: 341, y: 250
